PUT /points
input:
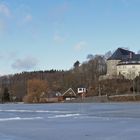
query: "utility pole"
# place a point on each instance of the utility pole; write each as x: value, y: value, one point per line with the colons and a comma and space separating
x: 134, y: 95
x: 99, y: 90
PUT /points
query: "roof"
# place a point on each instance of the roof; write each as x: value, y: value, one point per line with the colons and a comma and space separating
x: 81, y: 86
x: 69, y: 92
x: 136, y: 57
x: 121, y: 54
x: 135, y: 60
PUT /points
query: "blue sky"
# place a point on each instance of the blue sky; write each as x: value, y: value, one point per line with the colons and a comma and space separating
x: 53, y: 34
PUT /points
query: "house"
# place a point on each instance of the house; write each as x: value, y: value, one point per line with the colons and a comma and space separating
x: 123, y: 62
x: 81, y: 91
x: 69, y: 94
x: 50, y: 97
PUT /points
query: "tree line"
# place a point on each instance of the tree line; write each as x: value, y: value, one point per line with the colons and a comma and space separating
x: 30, y: 86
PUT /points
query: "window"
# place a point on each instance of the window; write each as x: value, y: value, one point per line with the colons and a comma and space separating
x: 80, y: 89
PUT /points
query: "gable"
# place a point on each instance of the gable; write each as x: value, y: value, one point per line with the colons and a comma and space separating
x: 69, y: 93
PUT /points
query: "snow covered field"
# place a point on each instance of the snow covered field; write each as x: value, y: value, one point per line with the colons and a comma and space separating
x: 93, y: 121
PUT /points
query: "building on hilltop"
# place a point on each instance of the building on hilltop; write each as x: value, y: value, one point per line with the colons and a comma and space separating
x: 123, y: 62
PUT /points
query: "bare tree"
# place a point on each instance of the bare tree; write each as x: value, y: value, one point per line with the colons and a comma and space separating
x: 108, y: 54
x: 35, y: 88
x: 90, y: 56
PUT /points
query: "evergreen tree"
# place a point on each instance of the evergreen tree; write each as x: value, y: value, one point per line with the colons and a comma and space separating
x: 6, y: 95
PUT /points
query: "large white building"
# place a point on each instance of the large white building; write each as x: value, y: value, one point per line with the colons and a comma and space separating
x: 123, y: 62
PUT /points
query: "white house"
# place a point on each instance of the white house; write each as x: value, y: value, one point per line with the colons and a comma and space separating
x: 81, y: 90
x: 123, y: 62
x: 129, y: 69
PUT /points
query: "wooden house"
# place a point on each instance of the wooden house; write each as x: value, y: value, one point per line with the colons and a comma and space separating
x: 69, y: 94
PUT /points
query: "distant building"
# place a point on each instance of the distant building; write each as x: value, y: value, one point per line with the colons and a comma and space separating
x: 50, y: 97
x: 81, y: 91
x: 69, y: 94
x: 123, y: 62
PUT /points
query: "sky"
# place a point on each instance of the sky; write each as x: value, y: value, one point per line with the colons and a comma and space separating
x: 54, y: 34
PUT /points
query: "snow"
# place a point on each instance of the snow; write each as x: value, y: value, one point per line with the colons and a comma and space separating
x: 79, y: 121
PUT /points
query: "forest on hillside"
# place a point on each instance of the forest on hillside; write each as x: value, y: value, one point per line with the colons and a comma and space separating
x: 27, y: 85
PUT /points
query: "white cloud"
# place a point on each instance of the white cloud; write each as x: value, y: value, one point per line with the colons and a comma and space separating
x: 58, y: 38
x: 7, y: 56
x: 28, y: 18
x: 2, y: 26
x: 58, y: 12
x: 26, y: 63
x: 4, y: 10
x: 11, y: 55
x: 5, y: 14
x: 80, y: 45
x: 25, y: 19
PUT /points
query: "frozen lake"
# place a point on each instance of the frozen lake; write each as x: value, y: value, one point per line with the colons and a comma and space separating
x: 97, y: 121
